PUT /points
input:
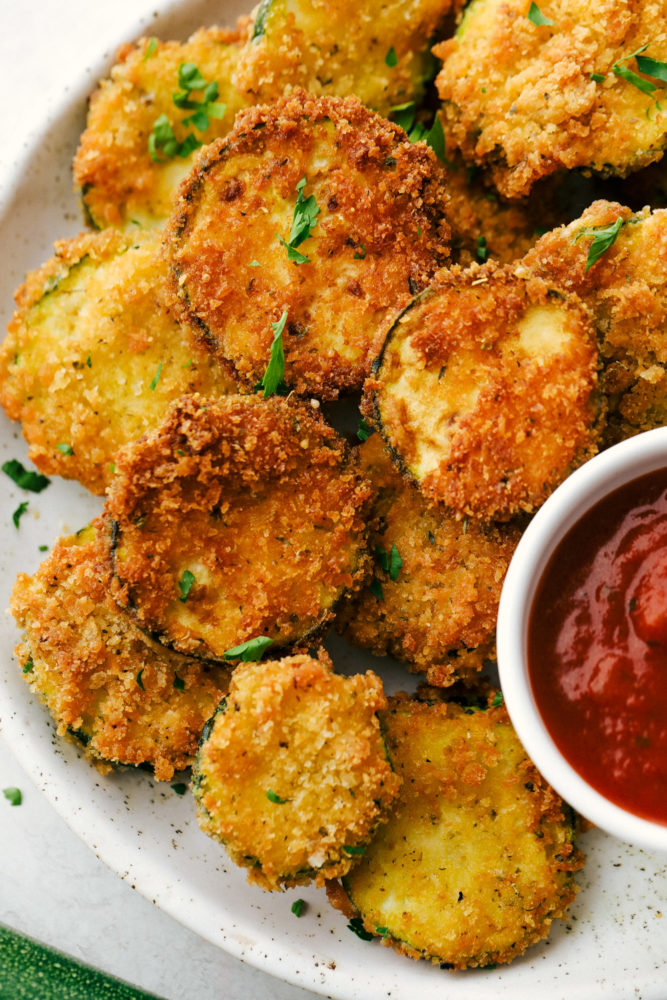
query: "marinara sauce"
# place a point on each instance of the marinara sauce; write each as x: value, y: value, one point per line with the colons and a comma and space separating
x: 597, y: 646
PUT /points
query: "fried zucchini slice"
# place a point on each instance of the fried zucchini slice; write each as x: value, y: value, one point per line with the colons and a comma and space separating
x: 360, y: 202
x: 93, y: 355
x: 626, y: 290
x: 485, y: 390
x: 120, y: 179
x: 530, y: 98
x: 477, y: 859
x: 434, y: 601
x: 376, y: 50
x: 292, y: 773
x: 237, y: 518
x: 125, y: 699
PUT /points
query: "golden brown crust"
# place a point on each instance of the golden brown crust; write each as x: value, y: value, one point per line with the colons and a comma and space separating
x: 521, y: 98
x: 378, y: 238
x: 626, y: 290
x: 439, y: 614
x: 128, y: 700
x: 260, y: 501
x: 119, y: 180
x: 93, y: 354
x: 477, y: 859
x: 486, y: 390
x: 293, y: 770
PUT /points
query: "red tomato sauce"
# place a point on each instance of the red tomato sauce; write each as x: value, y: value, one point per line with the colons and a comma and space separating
x: 597, y: 646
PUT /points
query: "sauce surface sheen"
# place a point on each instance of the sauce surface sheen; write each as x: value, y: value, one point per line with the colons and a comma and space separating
x: 597, y: 646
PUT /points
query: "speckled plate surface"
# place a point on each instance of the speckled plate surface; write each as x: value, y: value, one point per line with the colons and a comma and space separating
x: 614, y: 944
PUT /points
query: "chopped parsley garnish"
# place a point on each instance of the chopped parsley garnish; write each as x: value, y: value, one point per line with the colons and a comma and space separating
x: 363, y: 430
x: 298, y: 907
x: 65, y: 449
x: 156, y: 378
x: 28, y: 666
x: 603, y: 238
x: 43, y: 548
x: 255, y: 263
x: 652, y: 67
x: 303, y: 221
x: 249, y: 651
x: 391, y: 59
x: 180, y: 788
x: 375, y: 588
x: 431, y: 538
x: 482, y: 250
x: 273, y: 797
x: 620, y: 69
x: 349, y: 849
x: 597, y: 77
x: 272, y: 380
x: 536, y: 17
x: 497, y: 699
x: 362, y: 255
x: 179, y: 683
x: 89, y: 361
x: 390, y: 562
x: 139, y: 679
x: 162, y: 138
x: 356, y: 925
x: 384, y: 931
x: 150, y: 49
x: 19, y: 512
x: 185, y: 585
x: 405, y: 114
x: 26, y: 479
x: 13, y: 796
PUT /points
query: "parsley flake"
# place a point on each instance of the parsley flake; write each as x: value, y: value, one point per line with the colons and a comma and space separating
x: 156, y: 378
x: 303, y: 221
x: 28, y: 666
x: 179, y: 683
x: 497, y: 699
x: 13, y: 796
x: 43, y: 548
x: 139, y: 679
x: 395, y: 563
x: 65, y: 449
x: 185, y: 585
x: 356, y: 925
x: 89, y: 361
x: 26, y: 479
x: 351, y: 850
x: 150, y: 49
x: 190, y: 79
x: 482, y: 252
x: 358, y: 255
x: 652, y: 67
x: 536, y: 17
x: 597, y: 77
x: 19, y: 512
x: 363, y: 430
x: 180, y: 788
x: 298, y: 907
x: 249, y: 651
x: 272, y: 380
x: 391, y: 59
x: 273, y: 797
x: 603, y: 238
x: 375, y: 588
x: 620, y: 69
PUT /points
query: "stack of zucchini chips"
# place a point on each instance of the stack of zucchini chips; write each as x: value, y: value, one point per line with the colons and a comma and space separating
x: 280, y: 215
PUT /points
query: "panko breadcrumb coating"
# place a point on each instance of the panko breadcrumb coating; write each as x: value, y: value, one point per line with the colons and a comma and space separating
x: 238, y: 518
x: 528, y: 99
x: 377, y: 50
x: 626, y: 289
x: 93, y: 355
x: 437, y: 606
x: 292, y: 773
x: 121, y: 183
x: 125, y: 699
x: 369, y: 209
x: 485, y: 390
x: 477, y: 859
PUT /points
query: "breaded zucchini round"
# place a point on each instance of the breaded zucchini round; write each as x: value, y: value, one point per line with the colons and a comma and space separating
x: 477, y: 859
x: 123, y: 180
x: 292, y: 773
x: 93, y: 355
x: 626, y: 290
x: 485, y: 390
x: 377, y: 50
x: 237, y: 518
x: 127, y: 700
x: 314, y: 210
x: 530, y: 93
x: 434, y: 599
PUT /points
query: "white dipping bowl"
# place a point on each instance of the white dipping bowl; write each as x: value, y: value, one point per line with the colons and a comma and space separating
x: 600, y: 476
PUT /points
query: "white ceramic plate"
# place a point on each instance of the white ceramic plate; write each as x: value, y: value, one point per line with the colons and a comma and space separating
x: 614, y: 944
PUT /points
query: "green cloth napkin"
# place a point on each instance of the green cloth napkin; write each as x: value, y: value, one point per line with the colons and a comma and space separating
x: 31, y: 971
